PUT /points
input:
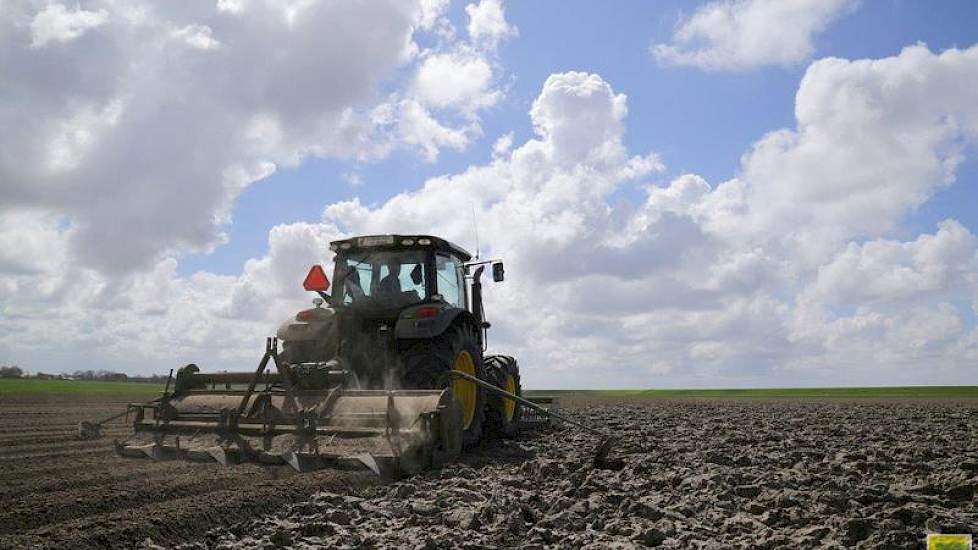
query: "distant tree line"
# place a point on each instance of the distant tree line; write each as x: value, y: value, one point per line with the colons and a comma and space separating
x: 99, y: 375
x: 13, y: 371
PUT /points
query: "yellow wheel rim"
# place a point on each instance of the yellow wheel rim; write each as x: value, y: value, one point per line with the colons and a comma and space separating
x: 465, y: 391
x: 509, y: 406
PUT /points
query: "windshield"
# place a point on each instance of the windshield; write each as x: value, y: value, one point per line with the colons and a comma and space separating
x: 381, y: 279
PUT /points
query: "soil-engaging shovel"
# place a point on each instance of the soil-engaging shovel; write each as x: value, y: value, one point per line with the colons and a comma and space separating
x: 93, y: 430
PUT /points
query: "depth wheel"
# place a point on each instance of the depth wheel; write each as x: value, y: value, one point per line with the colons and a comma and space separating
x: 504, y: 414
x: 426, y: 366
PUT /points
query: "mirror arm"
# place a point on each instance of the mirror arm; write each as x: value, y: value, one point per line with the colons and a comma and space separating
x: 479, y: 262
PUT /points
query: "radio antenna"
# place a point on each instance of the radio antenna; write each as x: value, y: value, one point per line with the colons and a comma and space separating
x: 475, y: 224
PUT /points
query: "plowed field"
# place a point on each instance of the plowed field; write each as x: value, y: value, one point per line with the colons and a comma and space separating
x: 692, y: 473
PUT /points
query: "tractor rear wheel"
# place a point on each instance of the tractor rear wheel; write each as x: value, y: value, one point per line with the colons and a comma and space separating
x: 426, y: 364
x: 504, y: 414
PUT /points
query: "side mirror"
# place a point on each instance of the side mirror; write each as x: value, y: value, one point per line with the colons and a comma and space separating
x: 316, y: 280
x: 416, y: 277
x: 497, y: 272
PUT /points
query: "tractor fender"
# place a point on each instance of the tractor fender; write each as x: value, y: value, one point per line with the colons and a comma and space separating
x: 418, y: 322
x: 308, y: 325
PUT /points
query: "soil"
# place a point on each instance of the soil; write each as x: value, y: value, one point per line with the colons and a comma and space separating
x: 61, y: 492
x: 682, y: 474
x: 689, y: 474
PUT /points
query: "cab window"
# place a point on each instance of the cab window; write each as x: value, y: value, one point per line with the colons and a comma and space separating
x: 449, y: 277
x: 367, y: 278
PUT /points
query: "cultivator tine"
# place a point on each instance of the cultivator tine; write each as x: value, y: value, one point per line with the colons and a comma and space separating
x: 302, y: 462
x: 93, y: 430
x: 152, y: 450
x: 197, y: 455
x: 155, y: 452
x: 219, y: 454
x: 369, y: 461
x: 386, y: 468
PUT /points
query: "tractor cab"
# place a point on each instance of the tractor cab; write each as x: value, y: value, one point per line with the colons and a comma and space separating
x: 390, y: 293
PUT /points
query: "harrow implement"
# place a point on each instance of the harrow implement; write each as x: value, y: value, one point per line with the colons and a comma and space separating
x: 307, y: 415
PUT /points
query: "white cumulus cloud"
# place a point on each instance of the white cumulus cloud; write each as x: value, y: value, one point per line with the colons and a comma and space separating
x: 455, y: 79
x: 487, y: 23
x: 873, y: 139
x: 197, y: 36
x: 744, y: 34
x: 57, y: 24
x: 883, y: 271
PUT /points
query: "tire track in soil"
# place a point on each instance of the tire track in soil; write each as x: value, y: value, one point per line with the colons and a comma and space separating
x: 48, y: 430
x: 97, y: 449
x: 35, y: 449
x: 179, y: 518
x: 109, y: 474
x: 59, y: 491
x: 60, y: 467
x: 55, y: 507
x: 49, y: 417
x: 61, y: 436
x: 24, y: 428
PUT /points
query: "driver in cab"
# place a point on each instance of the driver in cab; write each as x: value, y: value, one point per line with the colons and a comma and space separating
x: 389, y: 287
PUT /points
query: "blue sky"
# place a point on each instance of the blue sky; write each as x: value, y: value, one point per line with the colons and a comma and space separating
x: 720, y: 193
x: 698, y: 122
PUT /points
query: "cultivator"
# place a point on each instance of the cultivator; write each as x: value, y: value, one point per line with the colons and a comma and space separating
x: 304, y: 415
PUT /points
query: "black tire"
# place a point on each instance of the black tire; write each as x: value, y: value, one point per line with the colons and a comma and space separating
x: 502, y: 422
x: 426, y: 364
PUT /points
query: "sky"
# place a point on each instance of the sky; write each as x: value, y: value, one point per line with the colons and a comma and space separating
x: 746, y: 193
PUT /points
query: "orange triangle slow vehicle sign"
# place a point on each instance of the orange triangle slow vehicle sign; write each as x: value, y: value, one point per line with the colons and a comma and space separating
x: 316, y: 279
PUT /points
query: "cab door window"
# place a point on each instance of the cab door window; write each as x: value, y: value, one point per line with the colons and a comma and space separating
x: 449, y: 280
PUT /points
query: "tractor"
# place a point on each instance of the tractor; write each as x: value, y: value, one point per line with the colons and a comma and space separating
x: 388, y: 370
x: 404, y: 312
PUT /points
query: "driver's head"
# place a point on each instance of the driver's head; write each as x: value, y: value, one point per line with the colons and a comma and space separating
x: 393, y: 267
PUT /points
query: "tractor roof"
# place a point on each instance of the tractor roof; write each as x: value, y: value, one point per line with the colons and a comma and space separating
x: 400, y: 241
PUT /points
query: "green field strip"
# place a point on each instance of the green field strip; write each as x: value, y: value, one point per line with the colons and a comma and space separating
x: 29, y: 386
x: 909, y: 392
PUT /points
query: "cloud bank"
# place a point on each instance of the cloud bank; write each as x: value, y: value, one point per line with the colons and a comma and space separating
x: 139, y: 123
x: 791, y: 272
